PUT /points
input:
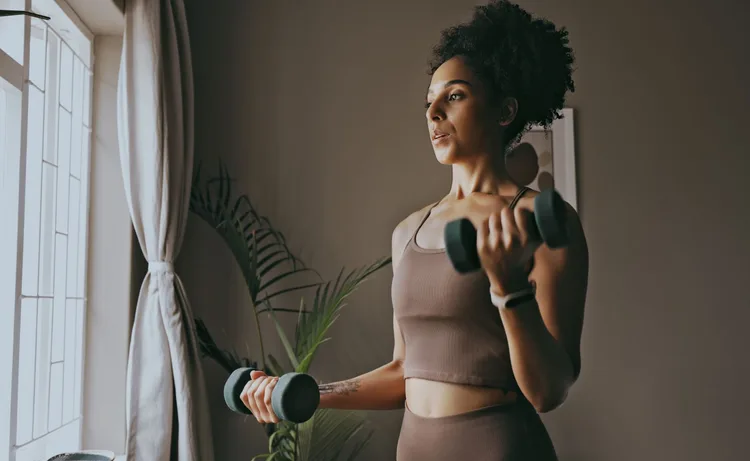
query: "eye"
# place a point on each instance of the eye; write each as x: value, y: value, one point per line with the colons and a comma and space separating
x: 455, y: 96
x: 427, y: 105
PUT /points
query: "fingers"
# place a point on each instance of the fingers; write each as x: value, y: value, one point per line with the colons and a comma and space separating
x: 510, y: 235
x: 256, y: 395
x: 247, y: 396
x: 255, y: 374
x: 264, y: 404
x: 523, y: 221
x: 503, y: 230
x: 483, y: 235
x: 267, y: 394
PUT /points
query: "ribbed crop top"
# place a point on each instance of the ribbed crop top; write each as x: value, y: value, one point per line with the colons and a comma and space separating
x: 452, y: 331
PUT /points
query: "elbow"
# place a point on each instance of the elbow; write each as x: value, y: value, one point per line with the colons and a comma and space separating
x: 546, y: 402
x: 397, y: 366
x: 553, y: 396
x: 546, y: 405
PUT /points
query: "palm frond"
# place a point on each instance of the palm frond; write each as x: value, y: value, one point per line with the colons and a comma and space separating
x: 329, y: 300
x: 284, y: 340
x: 256, y: 245
x: 326, y: 436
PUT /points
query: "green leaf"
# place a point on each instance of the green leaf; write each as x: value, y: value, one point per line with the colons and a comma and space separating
x: 329, y: 300
x: 326, y: 435
x: 267, y: 298
x: 275, y: 366
x: 284, y: 340
x: 360, y: 446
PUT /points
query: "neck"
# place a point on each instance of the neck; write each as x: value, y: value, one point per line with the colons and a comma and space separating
x: 485, y: 175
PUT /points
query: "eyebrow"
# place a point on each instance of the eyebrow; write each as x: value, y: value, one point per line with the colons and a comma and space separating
x: 457, y: 81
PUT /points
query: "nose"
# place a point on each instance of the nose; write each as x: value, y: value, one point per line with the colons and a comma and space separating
x: 435, y: 112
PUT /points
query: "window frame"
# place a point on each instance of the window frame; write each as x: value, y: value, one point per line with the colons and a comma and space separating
x: 18, y: 76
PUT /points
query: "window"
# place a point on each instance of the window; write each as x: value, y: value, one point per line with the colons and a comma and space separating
x: 45, y: 133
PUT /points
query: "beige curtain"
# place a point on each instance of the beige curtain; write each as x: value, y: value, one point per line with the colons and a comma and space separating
x: 167, y: 410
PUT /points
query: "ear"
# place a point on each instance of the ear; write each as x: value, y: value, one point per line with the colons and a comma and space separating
x: 508, y: 111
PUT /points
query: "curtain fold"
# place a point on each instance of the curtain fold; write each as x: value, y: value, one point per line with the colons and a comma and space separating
x: 167, y: 409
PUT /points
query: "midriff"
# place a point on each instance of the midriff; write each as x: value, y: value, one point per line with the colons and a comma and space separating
x: 433, y: 399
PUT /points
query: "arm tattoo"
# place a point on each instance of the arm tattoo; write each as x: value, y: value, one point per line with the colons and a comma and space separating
x: 340, y: 388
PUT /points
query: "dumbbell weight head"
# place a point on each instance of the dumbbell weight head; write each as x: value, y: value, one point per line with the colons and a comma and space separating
x: 294, y: 398
x: 233, y: 388
x: 548, y: 226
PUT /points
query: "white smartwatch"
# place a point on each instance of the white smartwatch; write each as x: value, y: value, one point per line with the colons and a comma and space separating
x: 514, y: 299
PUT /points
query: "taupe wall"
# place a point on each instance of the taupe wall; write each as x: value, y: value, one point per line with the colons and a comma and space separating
x: 317, y: 108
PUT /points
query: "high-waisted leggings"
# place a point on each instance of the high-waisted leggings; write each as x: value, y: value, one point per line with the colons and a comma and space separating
x: 512, y: 432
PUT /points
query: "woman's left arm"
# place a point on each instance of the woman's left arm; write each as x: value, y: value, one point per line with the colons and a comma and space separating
x: 544, y: 334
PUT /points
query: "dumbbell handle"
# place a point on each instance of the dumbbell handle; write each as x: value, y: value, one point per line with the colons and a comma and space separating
x: 294, y: 398
x: 547, y: 227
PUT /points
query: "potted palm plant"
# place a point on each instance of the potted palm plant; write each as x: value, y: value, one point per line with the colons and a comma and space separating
x: 270, y: 269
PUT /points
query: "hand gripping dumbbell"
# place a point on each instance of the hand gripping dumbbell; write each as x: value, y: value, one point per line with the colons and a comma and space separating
x: 548, y: 226
x: 294, y: 398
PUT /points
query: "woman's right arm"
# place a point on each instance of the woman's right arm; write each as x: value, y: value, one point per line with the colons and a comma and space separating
x: 380, y: 389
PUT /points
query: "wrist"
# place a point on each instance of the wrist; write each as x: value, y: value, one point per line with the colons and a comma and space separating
x: 505, y: 287
x: 511, y: 299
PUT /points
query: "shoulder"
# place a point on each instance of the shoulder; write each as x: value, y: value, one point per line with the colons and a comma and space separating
x: 404, y: 230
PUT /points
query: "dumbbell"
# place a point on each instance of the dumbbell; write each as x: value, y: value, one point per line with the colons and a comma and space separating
x: 294, y: 398
x: 548, y: 226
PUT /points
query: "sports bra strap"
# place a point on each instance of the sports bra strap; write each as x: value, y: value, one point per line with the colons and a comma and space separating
x: 518, y: 196
x: 413, y: 237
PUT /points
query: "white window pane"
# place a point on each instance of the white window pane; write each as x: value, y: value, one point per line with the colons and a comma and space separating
x: 41, y: 385
x: 55, y: 396
x: 30, y: 278
x: 52, y: 99
x: 69, y: 381
x: 66, y: 76
x: 60, y: 22
x: 75, y: 141
x: 64, y: 440
x: 85, y: 146
x: 86, y: 98
x: 74, y: 205
x: 11, y: 32
x: 63, y: 170
x: 38, y: 52
x: 58, y: 321
x: 80, y: 324
x: 47, y: 236
x: 83, y: 219
x: 26, y: 354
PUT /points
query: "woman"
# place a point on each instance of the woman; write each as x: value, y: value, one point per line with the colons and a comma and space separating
x: 472, y: 369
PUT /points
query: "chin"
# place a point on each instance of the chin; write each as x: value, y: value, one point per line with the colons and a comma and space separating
x: 446, y: 155
x: 451, y: 156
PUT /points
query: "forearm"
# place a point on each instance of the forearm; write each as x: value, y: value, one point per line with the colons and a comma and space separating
x: 542, y: 367
x: 379, y: 389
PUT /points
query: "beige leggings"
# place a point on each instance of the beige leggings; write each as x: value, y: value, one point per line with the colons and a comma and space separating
x: 495, y: 433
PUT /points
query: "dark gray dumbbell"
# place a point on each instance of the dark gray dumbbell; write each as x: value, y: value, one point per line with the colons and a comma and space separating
x: 547, y: 227
x: 294, y: 398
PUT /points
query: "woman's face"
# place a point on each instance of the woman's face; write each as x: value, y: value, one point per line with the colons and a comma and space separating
x: 462, y: 123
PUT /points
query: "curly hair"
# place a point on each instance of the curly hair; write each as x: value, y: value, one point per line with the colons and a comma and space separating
x: 515, y: 55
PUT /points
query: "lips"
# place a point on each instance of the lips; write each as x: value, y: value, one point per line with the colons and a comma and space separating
x: 438, y: 135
